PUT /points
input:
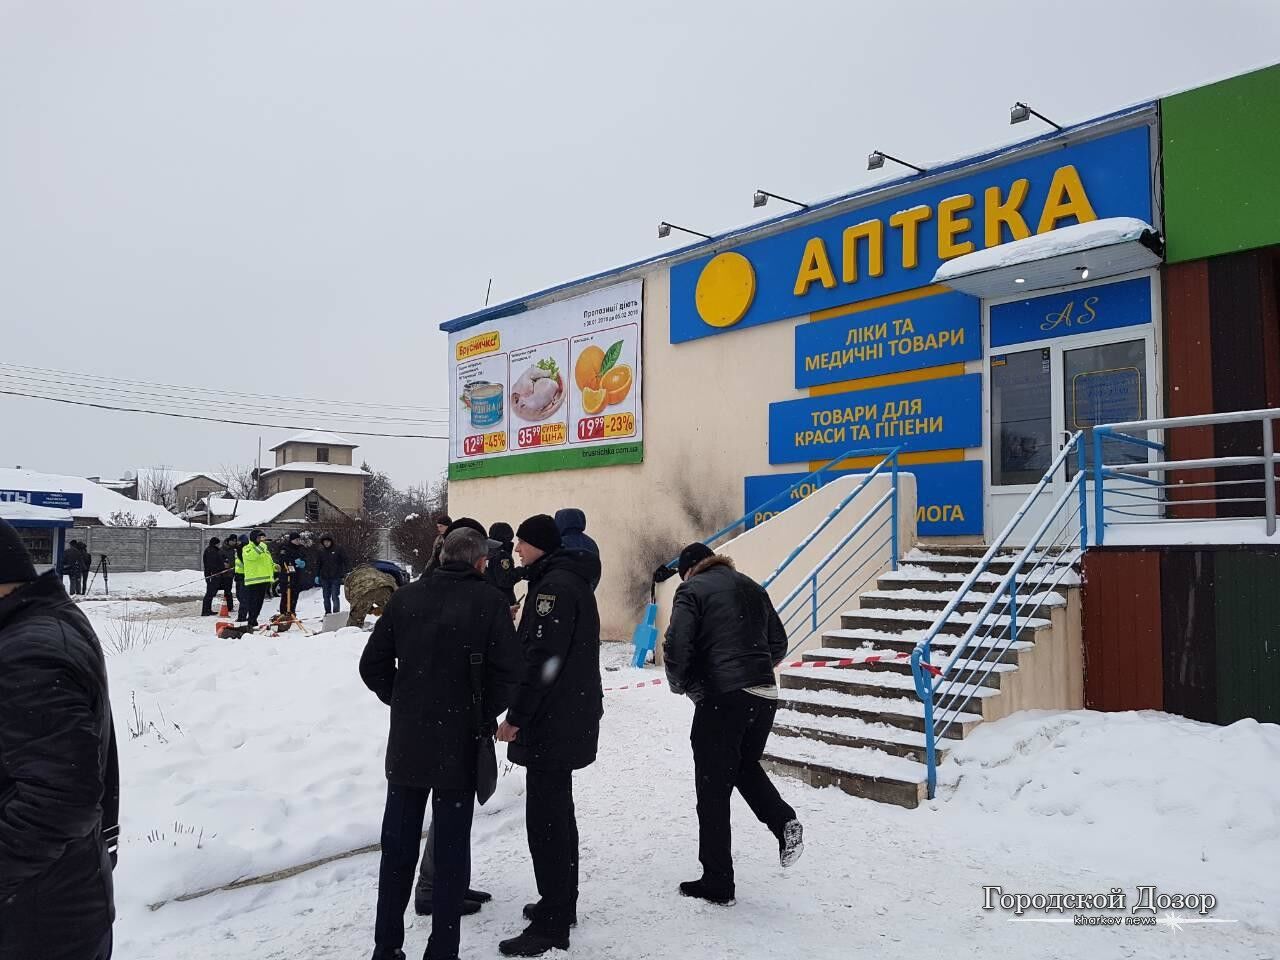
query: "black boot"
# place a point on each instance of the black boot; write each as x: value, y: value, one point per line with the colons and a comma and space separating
x: 531, y: 914
x: 423, y: 907
x: 700, y: 890
x: 533, y: 943
x: 479, y: 896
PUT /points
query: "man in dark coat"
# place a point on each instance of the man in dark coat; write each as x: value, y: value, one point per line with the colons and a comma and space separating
x: 722, y: 645
x: 230, y: 554
x: 75, y: 566
x: 331, y: 568
x: 217, y: 576
x: 501, y: 568
x: 419, y: 659
x: 291, y: 558
x: 572, y: 524
x: 553, y: 725
x: 59, y: 779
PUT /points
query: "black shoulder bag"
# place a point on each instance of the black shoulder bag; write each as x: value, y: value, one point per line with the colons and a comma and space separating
x: 486, y: 755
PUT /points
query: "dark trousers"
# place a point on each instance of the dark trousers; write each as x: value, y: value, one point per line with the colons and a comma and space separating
x: 239, y: 580
x: 331, y: 590
x: 214, y: 586
x: 728, y: 737
x: 254, y: 595
x: 77, y: 583
x: 401, y: 836
x: 553, y: 845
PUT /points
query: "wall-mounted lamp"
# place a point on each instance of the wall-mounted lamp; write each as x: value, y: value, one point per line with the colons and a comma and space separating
x: 1020, y: 112
x: 664, y: 231
x: 762, y: 197
x: 876, y: 159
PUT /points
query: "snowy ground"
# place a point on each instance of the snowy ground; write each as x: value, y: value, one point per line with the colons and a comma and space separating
x: 246, y: 756
x: 165, y: 583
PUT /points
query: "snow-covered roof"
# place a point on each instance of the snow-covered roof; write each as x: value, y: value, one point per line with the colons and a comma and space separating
x: 254, y: 513
x: 99, y: 501
x: 309, y: 466
x: 1055, y: 243
x: 320, y: 437
x: 20, y: 512
x: 177, y: 476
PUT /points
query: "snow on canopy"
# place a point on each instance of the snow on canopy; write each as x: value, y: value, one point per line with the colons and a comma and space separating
x: 99, y: 501
x: 1055, y: 243
x: 321, y: 437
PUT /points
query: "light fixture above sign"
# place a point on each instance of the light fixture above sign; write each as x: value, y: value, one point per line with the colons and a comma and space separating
x: 1058, y: 258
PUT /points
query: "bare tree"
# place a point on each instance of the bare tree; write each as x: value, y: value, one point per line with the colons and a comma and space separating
x: 155, y: 485
x: 239, y: 480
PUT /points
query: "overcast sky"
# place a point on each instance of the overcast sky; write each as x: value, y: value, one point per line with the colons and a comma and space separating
x: 289, y: 197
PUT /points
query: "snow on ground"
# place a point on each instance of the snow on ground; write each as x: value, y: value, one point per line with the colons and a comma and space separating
x: 256, y: 754
x: 1190, y: 532
x: 163, y: 583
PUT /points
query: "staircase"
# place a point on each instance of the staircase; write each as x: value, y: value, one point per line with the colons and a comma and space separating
x: 861, y: 728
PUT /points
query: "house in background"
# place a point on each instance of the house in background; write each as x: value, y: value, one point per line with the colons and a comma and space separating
x: 191, y: 490
x: 302, y: 506
x: 320, y: 461
x: 127, y: 487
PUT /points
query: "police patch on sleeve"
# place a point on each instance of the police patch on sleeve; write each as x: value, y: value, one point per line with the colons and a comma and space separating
x: 506, y: 564
x: 545, y: 604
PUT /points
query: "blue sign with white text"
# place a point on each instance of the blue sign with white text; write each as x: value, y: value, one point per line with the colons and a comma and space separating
x: 937, y: 414
x: 1080, y: 310
x: 906, y: 336
x: 44, y: 498
x: 948, y: 496
x: 897, y: 244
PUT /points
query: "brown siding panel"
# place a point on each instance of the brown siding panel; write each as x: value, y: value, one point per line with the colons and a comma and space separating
x: 1122, y: 631
x: 1188, y: 627
x: 1189, y: 376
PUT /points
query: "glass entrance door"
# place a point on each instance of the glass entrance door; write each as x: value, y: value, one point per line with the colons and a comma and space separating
x: 1040, y: 394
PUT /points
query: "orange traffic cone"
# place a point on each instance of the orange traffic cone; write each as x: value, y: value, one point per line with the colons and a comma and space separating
x: 220, y: 626
x: 224, y: 612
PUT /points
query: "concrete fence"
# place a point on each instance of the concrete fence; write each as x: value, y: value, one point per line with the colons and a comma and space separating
x: 146, y: 549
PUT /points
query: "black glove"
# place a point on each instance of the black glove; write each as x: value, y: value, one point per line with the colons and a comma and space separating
x: 663, y: 574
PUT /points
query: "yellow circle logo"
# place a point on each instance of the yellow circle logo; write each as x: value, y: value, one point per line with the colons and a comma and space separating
x: 725, y: 289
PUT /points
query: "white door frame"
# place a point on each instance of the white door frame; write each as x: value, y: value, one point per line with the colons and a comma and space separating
x: 1000, y: 503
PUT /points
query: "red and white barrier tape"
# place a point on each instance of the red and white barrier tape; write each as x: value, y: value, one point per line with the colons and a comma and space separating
x: 803, y: 664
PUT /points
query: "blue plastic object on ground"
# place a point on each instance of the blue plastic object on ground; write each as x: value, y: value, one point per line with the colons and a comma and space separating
x: 645, y: 637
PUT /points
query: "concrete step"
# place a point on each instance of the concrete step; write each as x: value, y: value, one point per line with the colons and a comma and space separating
x: 923, y: 579
x: 858, y: 771
x: 942, y: 646
x: 870, y: 683
x: 958, y: 624
x: 975, y: 550
x: 854, y: 732
x: 944, y: 563
x: 990, y: 677
x: 904, y: 714
x: 974, y: 602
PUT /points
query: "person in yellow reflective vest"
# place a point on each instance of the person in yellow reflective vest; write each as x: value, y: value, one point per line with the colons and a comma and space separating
x: 259, y: 570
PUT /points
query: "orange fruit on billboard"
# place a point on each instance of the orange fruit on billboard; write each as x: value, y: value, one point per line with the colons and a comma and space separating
x: 616, y: 383
x: 593, y: 401
x: 586, y: 371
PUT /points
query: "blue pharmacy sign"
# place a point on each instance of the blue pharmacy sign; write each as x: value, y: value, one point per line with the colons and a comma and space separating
x: 1079, y: 310
x: 44, y: 498
x: 896, y: 244
x: 906, y: 336
x: 940, y: 414
x: 948, y: 496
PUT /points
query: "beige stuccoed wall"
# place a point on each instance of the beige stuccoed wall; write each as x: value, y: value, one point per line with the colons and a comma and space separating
x: 706, y: 411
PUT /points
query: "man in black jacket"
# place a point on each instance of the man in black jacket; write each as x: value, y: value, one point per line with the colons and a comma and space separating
x: 59, y: 780
x: 722, y: 645
x: 230, y: 553
x: 291, y: 559
x: 217, y: 576
x: 419, y: 660
x: 501, y: 568
x: 553, y: 725
x: 331, y: 568
x: 75, y: 563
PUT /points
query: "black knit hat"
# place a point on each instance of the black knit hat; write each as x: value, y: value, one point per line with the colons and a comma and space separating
x: 215, y: 542
x: 691, y: 556
x: 502, y: 532
x: 254, y: 535
x: 540, y: 531
x: 15, y: 561
x: 466, y: 523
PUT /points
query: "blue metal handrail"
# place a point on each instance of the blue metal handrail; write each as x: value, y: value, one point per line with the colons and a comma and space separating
x: 850, y: 454
x: 936, y: 685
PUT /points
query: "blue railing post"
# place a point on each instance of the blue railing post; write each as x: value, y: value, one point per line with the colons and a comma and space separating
x: 893, y: 557
x: 1013, y: 609
x: 924, y: 690
x: 814, y: 595
x: 1099, y: 505
x: 1081, y: 468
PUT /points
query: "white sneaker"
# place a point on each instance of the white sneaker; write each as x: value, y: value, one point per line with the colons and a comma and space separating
x: 792, y: 843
